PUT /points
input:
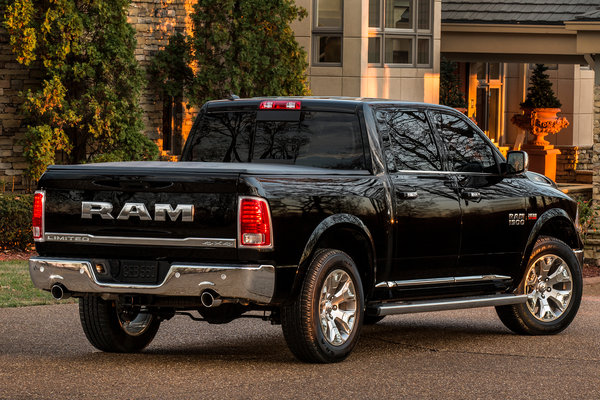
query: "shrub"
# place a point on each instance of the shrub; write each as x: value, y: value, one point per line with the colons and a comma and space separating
x: 540, y: 93
x: 589, y: 212
x: 87, y: 104
x: 15, y: 221
x: 247, y: 48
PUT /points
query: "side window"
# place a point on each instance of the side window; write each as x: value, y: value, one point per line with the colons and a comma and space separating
x: 467, y: 150
x: 407, y: 138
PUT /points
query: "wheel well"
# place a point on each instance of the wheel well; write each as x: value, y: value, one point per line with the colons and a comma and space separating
x: 563, y: 229
x: 355, y: 243
x: 560, y: 228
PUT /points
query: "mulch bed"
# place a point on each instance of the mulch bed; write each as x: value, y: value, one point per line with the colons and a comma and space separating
x: 11, y: 255
x: 589, y: 270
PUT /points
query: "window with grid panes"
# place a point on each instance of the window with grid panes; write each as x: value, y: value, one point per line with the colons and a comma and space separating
x: 400, y: 33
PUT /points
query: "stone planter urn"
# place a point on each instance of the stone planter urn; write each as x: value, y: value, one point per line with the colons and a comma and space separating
x: 540, y: 122
x: 539, y: 118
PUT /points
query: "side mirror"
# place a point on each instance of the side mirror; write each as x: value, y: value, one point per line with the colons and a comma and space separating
x: 517, y: 162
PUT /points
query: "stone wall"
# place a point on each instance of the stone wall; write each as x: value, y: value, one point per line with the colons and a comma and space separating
x: 596, y: 147
x: 14, y: 78
x: 566, y: 163
x: 585, y: 156
x: 574, y: 164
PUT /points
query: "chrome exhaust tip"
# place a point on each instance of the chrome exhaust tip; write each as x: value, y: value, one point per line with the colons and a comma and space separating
x: 209, y: 300
x: 59, y: 292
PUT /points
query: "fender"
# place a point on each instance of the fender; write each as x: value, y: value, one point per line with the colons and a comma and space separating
x: 327, y: 223
x: 535, y: 232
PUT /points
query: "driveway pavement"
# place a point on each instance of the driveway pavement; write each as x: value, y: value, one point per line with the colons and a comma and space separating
x: 465, y: 354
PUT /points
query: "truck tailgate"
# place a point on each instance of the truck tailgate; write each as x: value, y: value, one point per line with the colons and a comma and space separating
x: 134, y: 209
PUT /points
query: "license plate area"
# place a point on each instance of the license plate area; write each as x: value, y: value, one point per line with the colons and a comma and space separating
x: 132, y: 271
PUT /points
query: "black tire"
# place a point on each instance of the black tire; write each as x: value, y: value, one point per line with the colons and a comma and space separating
x: 301, y: 320
x: 372, y: 319
x: 533, y: 317
x: 106, y: 331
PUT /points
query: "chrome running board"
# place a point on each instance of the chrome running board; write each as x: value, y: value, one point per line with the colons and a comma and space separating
x: 407, y: 307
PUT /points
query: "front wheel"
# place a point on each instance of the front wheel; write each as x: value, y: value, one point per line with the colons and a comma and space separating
x: 112, y: 328
x: 554, y: 285
x: 323, y: 323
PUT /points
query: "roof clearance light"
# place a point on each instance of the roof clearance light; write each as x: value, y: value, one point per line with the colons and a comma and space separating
x: 280, y: 105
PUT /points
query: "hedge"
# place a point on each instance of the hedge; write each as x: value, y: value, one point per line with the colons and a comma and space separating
x: 15, y: 221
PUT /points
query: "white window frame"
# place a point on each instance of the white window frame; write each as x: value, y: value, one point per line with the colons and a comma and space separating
x: 414, y: 34
x: 317, y: 32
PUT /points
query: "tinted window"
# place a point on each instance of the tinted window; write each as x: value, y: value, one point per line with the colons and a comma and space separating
x: 467, y: 150
x: 315, y: 139
x: 222, y: 137
x: 407, y: 138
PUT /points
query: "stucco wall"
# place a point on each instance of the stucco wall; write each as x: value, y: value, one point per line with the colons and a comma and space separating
x: 355, y: 77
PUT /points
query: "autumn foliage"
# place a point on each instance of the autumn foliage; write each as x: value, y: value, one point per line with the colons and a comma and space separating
x: 88, y: 102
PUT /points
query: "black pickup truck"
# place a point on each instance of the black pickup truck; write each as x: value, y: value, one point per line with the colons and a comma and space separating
x: 321, y: 214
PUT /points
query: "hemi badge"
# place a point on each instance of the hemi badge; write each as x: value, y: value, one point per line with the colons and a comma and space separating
x: 532, y: 216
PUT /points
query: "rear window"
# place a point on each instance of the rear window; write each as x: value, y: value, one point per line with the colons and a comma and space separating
x: 310, y: 138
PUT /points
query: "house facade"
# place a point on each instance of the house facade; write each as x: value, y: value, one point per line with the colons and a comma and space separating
x: 386, y: 49
x: 496, y: 45
x: 372, y: 48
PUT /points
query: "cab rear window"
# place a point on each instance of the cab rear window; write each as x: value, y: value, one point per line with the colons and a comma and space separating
x: 308, y: 138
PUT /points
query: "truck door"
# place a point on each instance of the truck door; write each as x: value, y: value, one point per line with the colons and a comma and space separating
x: 493, y: 208
x: 426, y: 216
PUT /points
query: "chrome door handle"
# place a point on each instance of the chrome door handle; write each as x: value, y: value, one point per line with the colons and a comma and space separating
x: 409, y: 195
x: 470, y: 195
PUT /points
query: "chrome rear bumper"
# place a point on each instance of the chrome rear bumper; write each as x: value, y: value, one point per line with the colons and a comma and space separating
x: 249, y: 282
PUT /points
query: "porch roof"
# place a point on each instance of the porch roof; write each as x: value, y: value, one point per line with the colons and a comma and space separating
x: 544, y: 31
x: 530, y: 12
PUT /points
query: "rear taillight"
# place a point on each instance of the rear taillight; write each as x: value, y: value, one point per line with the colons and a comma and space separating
x: 254, y: 223
x: 280, y: 105
x: 37, y: 221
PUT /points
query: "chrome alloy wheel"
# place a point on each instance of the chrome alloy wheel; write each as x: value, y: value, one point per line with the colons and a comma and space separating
x: 337, y: 307
x: 549, y: 286
x: 134, y: 323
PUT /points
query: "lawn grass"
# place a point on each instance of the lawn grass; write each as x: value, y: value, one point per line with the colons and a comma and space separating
x: 16, y: 288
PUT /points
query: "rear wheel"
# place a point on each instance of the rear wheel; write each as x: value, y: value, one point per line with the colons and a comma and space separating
x: 113, y: 328
x: 323, y: 323
x: 554, y: 284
